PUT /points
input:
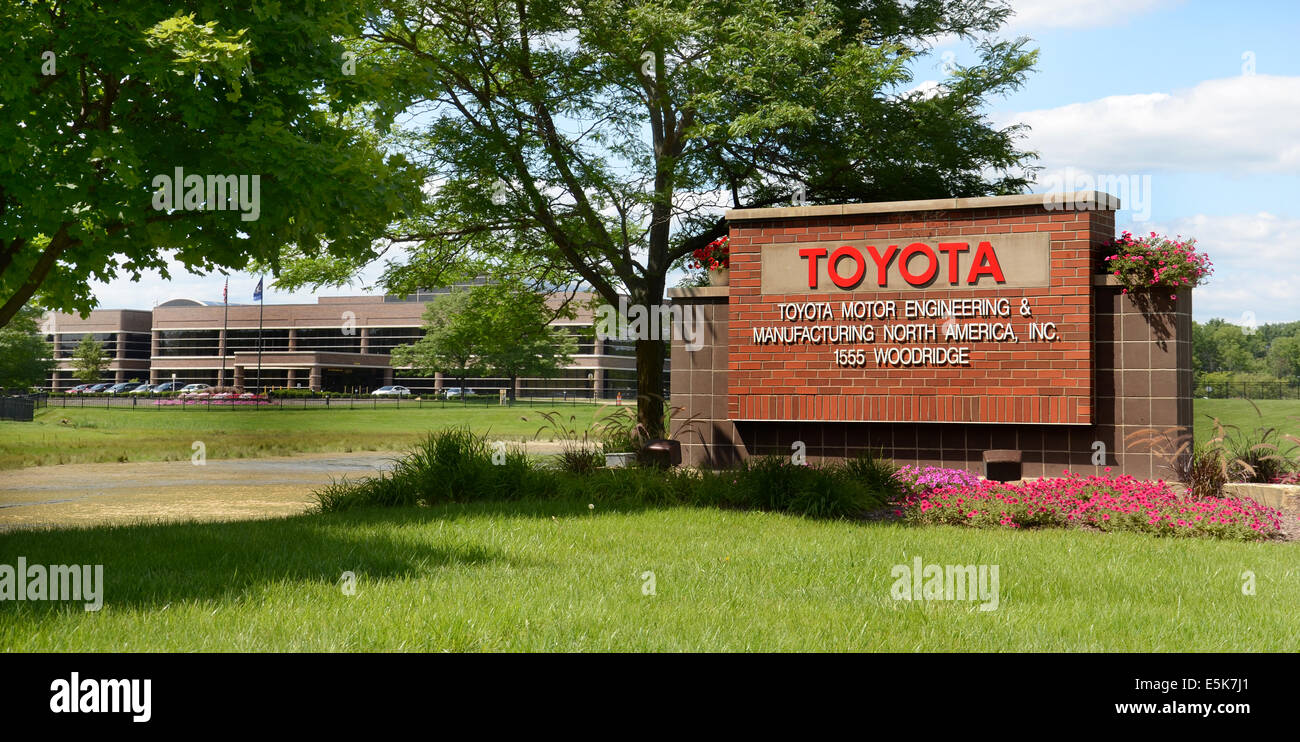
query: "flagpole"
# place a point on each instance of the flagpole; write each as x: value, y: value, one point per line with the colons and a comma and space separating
x: 261, y: 301
x: 225, y: 324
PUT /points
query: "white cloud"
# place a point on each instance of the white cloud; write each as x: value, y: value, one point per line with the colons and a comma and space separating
x: 1240, y: 125
x: 1080, y: 13
x: 1256, y: 265
x: 927, y: 89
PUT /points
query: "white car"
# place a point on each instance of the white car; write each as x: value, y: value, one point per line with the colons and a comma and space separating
x: 193, y: 388
x: 391, y: 391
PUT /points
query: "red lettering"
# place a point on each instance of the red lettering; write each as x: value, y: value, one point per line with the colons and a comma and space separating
x: 922, y: 278
x: 816, y: 253
x: 952, y: 248
x: 853, y: 254
x: 882, y: 263
x: 984, y: 254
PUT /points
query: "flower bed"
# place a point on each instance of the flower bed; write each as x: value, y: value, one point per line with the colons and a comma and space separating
x: 214, y: 399
x: 1105, y: 503
x: 920, y: 479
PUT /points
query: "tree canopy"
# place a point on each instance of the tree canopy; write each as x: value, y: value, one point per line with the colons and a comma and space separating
x: 520, y: 341
x: 1229, y: 351
x: 451, y: 341
x: 98, y: 100
x: 599, y: 140
x: 500, y: 329
x: 26, y: 359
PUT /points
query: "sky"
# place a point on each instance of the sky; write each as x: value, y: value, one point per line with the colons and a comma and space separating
x: 1191, y: 109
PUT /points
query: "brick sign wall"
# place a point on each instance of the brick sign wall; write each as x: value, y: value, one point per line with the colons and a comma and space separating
x: 874, y: 313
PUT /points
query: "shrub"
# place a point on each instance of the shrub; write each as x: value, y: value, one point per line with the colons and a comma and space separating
x: 1232, y: 454
x: 1204, y: 469
x: 619, y: 430
x: 836, y: 490
x: 878, y: 474
x: 578, y: 459
x: 304, y: 393
x: 1261, y: 455
x: 452, y: 465
x: 455, y: 465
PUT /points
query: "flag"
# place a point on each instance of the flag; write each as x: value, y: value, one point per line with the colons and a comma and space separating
x: 257, y: 292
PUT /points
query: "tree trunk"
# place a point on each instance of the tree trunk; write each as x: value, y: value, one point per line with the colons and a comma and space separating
x: 24, y: 291
x: 650, y: 386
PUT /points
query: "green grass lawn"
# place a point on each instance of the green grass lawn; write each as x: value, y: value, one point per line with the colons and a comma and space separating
x: 99, y: 435
x: 92, y: 435
x: 551, y: 576
x: 1283, y: 414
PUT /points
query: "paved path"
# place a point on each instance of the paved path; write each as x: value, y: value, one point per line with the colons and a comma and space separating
x: 153, y: 491
x: 222, y: 489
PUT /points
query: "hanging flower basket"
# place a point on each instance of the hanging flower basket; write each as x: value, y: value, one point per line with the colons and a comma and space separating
x: 716, y: 259
x: 1156, y: 263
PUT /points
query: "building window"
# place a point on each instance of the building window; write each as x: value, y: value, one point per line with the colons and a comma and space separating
x: 188, y: 342
x: 584, y: 337
x: 620, y: 347
x: 245, y: 341
x: 382, y: 340
x: 331, y: 341
x: 68, y: 342
x: 138, y: 346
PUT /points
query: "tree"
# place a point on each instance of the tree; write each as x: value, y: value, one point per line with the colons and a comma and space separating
x: 89, y: 360
x: 600, y: 138
x: 519, y: 340
x: 452, y: 340
x: 26, y: 359
x: 102, y: 106
x: 502, y: 329
x: 1284, y: 357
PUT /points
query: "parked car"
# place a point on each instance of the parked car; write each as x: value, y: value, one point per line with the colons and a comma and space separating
x: 121, y: 388
x: 78, y: 389
x: 169, y: 386
x: 391, y: 391
x: 193, y: 388
x: 455, y: 391
x: 141, y: 389
x: 100, y: 387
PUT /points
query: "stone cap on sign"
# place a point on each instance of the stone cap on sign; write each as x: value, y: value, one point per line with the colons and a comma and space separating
x: 1002, y: 456
x: 699, y: 292
x: 1075, y: 201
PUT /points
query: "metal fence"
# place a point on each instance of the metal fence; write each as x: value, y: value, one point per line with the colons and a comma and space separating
x: 324, y: 401
x: 1248, y: 390
x: 21, y: 407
